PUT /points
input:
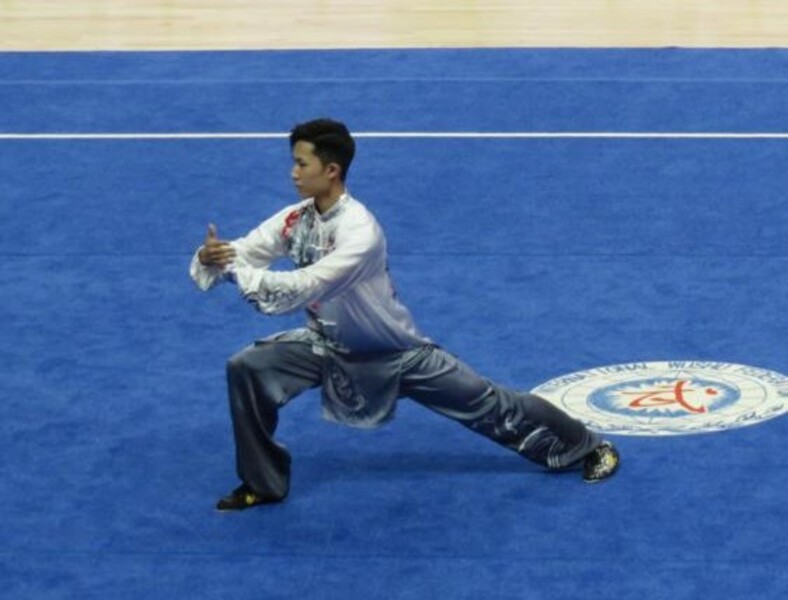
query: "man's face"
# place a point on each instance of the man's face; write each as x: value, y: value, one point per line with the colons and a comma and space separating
x: 311, y: 177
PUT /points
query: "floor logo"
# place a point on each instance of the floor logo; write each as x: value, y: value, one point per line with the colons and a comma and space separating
x: 669, y: 398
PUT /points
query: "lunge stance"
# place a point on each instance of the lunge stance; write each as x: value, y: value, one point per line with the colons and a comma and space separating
x: 360, y: 343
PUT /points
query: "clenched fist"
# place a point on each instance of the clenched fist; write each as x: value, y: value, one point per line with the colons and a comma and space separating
x: 215, y: 252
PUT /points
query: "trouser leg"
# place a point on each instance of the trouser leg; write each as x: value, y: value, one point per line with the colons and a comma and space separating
x: 261, y: 379
x: 520, y: 421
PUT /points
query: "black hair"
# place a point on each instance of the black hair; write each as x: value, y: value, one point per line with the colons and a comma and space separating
x: 332, y: 140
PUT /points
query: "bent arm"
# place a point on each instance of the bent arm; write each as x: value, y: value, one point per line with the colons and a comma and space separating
x: 358, y: 253
x: 258, y: 249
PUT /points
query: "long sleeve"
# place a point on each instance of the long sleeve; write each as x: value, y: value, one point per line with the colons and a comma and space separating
x: 359, y: 250
x: 204, y: 277
x: 258, y: 249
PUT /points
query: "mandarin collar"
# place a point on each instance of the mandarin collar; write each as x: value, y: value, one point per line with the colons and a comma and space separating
x: 334, y: 210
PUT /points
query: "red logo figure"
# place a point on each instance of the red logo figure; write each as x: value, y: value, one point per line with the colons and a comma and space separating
x: 290, y: 221
x: 667, y: 395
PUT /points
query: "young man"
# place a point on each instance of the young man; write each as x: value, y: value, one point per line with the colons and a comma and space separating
x: 360, y: 343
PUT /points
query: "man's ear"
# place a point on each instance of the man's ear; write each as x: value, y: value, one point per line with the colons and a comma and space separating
x: 334, y: 170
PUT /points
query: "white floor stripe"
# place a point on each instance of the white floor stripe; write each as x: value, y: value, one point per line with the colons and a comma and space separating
x: 406, y: 135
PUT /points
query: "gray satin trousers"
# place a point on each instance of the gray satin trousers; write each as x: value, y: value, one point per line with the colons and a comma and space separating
x: 263, y: 377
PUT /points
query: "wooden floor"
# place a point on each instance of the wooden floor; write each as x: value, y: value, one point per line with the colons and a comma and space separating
x: 274, y: 24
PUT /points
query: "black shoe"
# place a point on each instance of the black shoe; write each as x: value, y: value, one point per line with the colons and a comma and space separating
x: 242, y: 497
x: 601, y: 463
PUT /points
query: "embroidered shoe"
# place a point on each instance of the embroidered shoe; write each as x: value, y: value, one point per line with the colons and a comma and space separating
x: 601, y: 463
x: 242, y: 497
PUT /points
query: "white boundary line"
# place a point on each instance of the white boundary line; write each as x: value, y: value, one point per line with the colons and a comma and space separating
x: 403, y: 135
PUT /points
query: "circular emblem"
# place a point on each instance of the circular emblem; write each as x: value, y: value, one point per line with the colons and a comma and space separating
x: 669, y: 398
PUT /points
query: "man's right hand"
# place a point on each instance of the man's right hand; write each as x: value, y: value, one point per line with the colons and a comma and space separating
x: 215, y: 252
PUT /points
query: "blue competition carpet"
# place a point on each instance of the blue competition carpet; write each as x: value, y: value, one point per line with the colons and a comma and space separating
x: 527, y: 257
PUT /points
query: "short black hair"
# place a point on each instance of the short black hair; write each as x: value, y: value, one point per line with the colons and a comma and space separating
x: 332, y: 140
